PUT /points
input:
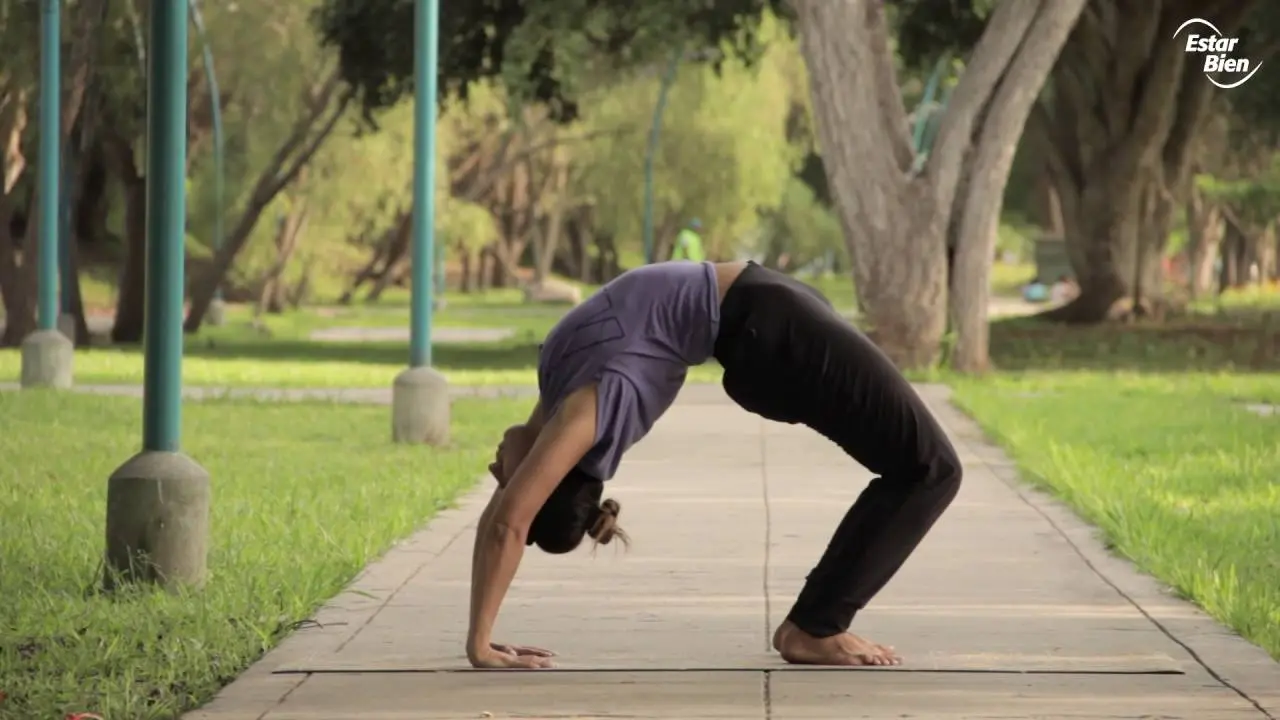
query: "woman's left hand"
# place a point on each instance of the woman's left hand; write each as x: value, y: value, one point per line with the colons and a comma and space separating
x: 522, y: 650
x: 502, y: 657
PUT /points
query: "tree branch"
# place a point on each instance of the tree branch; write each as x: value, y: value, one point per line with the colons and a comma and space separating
x: 1135, y: 43
x: 304, y: 156
x: 1152, y: 120
x: 1005, y: 31
x: 836, y: 41
x: 893, y: 113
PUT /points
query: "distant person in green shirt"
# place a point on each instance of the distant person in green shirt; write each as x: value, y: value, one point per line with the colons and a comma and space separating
x: 689, y: 243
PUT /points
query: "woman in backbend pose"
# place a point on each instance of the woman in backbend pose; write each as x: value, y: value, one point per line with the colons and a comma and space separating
x: 614, y: 364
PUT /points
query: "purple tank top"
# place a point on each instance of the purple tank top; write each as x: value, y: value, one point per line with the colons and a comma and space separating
x: 636, y: 338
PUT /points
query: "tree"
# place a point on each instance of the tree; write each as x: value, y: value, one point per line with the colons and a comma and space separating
x: 289, y: 100
x: 1126, y: 108
x: 536, y: 49
x: 1117, y: 126
x: 18, y: 26
x: 723, y: 156
x: 896, y: 219
x: 801, y: 231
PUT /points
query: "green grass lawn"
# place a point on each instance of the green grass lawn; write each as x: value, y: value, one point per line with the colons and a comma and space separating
x: 1178, y: 475
x: 281, y: 354
x: 1141, y: 429
x: 1225, y: 342
x: 305, y: 495
x: 284, y: 356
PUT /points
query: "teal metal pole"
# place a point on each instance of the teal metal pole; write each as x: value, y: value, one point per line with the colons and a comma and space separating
x: 425, y: 52
x: 166, y: 225
x: 50, y: 163
x: 219, y: 154
x: 668, y: 78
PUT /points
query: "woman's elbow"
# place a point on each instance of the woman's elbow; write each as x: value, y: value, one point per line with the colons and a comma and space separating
x: 505, y: 531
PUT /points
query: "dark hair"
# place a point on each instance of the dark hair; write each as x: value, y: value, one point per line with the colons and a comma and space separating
x: 573, y: 511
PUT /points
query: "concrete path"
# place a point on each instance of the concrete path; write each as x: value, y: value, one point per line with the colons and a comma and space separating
x: 1010, y: 609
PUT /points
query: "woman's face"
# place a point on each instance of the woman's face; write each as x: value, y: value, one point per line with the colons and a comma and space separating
x: 514, y: 445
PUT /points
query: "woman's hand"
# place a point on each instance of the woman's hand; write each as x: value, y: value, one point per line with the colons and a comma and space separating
x: 515, y: 657
x: 521, y: 650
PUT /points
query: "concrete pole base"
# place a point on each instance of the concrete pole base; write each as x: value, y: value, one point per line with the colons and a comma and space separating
x: 46, y: 360
x: 67, y: 326
x: 420, y: 407
x: 216, y: 315
x: 157, y: 522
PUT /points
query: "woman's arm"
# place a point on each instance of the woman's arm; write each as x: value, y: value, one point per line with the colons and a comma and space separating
x: 563, y: 441
x: 482, y: 532
x: 536, y: 421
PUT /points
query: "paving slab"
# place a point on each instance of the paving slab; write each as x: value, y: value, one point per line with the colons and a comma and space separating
x: 1011, y: 608
x: 1263, y: 409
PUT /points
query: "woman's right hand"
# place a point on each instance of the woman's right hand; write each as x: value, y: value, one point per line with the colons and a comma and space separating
x: 515, y: 657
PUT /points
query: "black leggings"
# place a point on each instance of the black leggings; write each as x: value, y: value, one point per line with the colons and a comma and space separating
x: 788, y: 356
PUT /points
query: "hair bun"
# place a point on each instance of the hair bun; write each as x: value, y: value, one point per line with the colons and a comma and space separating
x: 605, y: 528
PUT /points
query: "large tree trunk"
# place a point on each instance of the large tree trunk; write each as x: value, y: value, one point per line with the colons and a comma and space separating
x: 381, y: 248
x: 1233, y: 258
x: 990, y: 161
x: 13, y: 120
x: 397, y: 254
x: 896, y: 220
x: 1119, y: 125
x: 1155, y: 223
x: 1205, y: 226
x: 1048, y: 206
x: 74, y: 294
x: 466, y: 260
x: 1265, y: 253
x: 861, y: 127
x: 547, y: 241
x: 132, y: 299
x: 274, y: 295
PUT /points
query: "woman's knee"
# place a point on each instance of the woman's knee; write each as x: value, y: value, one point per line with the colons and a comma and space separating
x: 945, y: 468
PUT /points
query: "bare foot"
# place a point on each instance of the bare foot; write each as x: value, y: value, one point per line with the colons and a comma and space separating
x: 800, y: 648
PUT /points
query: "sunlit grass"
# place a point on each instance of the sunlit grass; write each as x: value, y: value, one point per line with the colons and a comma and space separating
x: 1177, y: 473
x: 1251, y: 298
x: 305, y: 495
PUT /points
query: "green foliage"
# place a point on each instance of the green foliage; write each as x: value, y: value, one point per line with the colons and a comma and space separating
x: 19, y: 36
x: 928, y: 29
x: 1257, y: 102
x: 1016, y: 236
x: 1255, y: 200
x: 265, y: 70
x: 803, y: 228
x: 542, y: 51
x: 723, y: 151
x: 467, y: 224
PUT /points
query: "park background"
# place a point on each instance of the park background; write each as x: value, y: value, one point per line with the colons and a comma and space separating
x: 1147, y: 403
